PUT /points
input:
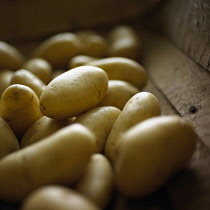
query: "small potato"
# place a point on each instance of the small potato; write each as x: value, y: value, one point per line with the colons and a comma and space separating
x: 40, y: 67
x: 151, y: 152
x: 58, y: 159
x: 119, y: 68
x: 124, y: 42
x: 100, y: 121
x: 27, y: 78
x: 19, y: 108
x: 10, y: 57
x: 58, y: 49
x: 8, y: 140
x: 74, y: 92
x: 97, y: 182
x: 5, y: 78
x: 42, y: 128
x: 118, y: 93
x: 80, y: 60
x: 57, y: 197
x: 141, y: 106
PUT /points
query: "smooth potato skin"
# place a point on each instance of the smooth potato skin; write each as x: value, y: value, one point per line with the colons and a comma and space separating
x: 74, y: 92
x: 56, y: 197
x: 59, y: 159
x: 151, y: 152
x: 141, y: 106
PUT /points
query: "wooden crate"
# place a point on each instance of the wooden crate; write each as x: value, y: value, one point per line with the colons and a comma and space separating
x: 176, y: 54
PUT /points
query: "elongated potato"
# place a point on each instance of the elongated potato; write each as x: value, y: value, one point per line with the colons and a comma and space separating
x: 118, y: 93
x: 141, y: 106
x: 19, y: 108
x: 58, y: 159
x: 100, y: 121
x: 151, y: 152
x: 119, y: 68
x: 57, y: 197
x: 40, y: 67
x: 58, y: 49
x: 42, y: 128
x: 97, y: 182
x: 5, y: 78
x: 29, y: 79
x: 8, y: 140
x: 74, y: 92
x: 10, y: 57
x: 80, y: 60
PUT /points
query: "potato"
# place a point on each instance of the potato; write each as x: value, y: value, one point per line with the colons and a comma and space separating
x: 57, y: 197
x: 74, y: 92
x: 119, y: 68
x: 100, y: 121
x: 27, y: 78
x: 118, y: 93
x: 124, y: 42
x: 10, y: 57
x: 141, y: 106
x: 5, y: 77
x: 58, y: 159
x: 151, y: 152
x: 8, y: 140
x: 19, y: 108
x: 40, y: 67
x: 80, y: 60
x: 42, y: 128
x: 97, y: 182
x: 58, y: 49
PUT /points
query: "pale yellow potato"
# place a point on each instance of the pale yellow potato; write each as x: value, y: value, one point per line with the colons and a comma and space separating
x: 100, y: 121
x: 119, y: 68
x: 151, y: 152
x: 58, y: 49
x: 141, y: 106
x: 80, y: 60
x: 25, y: 77
x: 57, y: 197
x: 19, y: 107
x: 124, y: 42
x: 5, y: 77
x: 40, y: 67
x: 97, y: 182
x: 60, y: 158
x: 42, y: 128
x: 10, y: 57
x: 74, y: 92
x: 8, y: 141
x: 118, y: 93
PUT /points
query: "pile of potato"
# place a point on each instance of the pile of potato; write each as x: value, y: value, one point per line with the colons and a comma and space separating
x: 75, y: 125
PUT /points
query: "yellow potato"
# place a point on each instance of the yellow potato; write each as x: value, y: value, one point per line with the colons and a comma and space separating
x: 80, y: 60
x: 100, y: 121
x: 97, y: 182
x: 124, y: 42
x: 5, y: 77
x: 10, y: 57
x: 40, y: 67
x: 42, y: 128
x: 57, y: 197
x: 119, y: 68
x: 58, y: 159
x: 19, y: 108
x: 74, y: 92
x: 58, y: 49
x: 118, y: 93
x: 8, y: 140
x: 141, y: 106
x: 151, y: 152
x: 25, y: 77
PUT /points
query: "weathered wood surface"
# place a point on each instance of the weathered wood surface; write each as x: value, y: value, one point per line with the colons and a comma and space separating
x: 187, y: 24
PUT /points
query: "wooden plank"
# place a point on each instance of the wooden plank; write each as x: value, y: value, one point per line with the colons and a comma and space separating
x: 185, y: 84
